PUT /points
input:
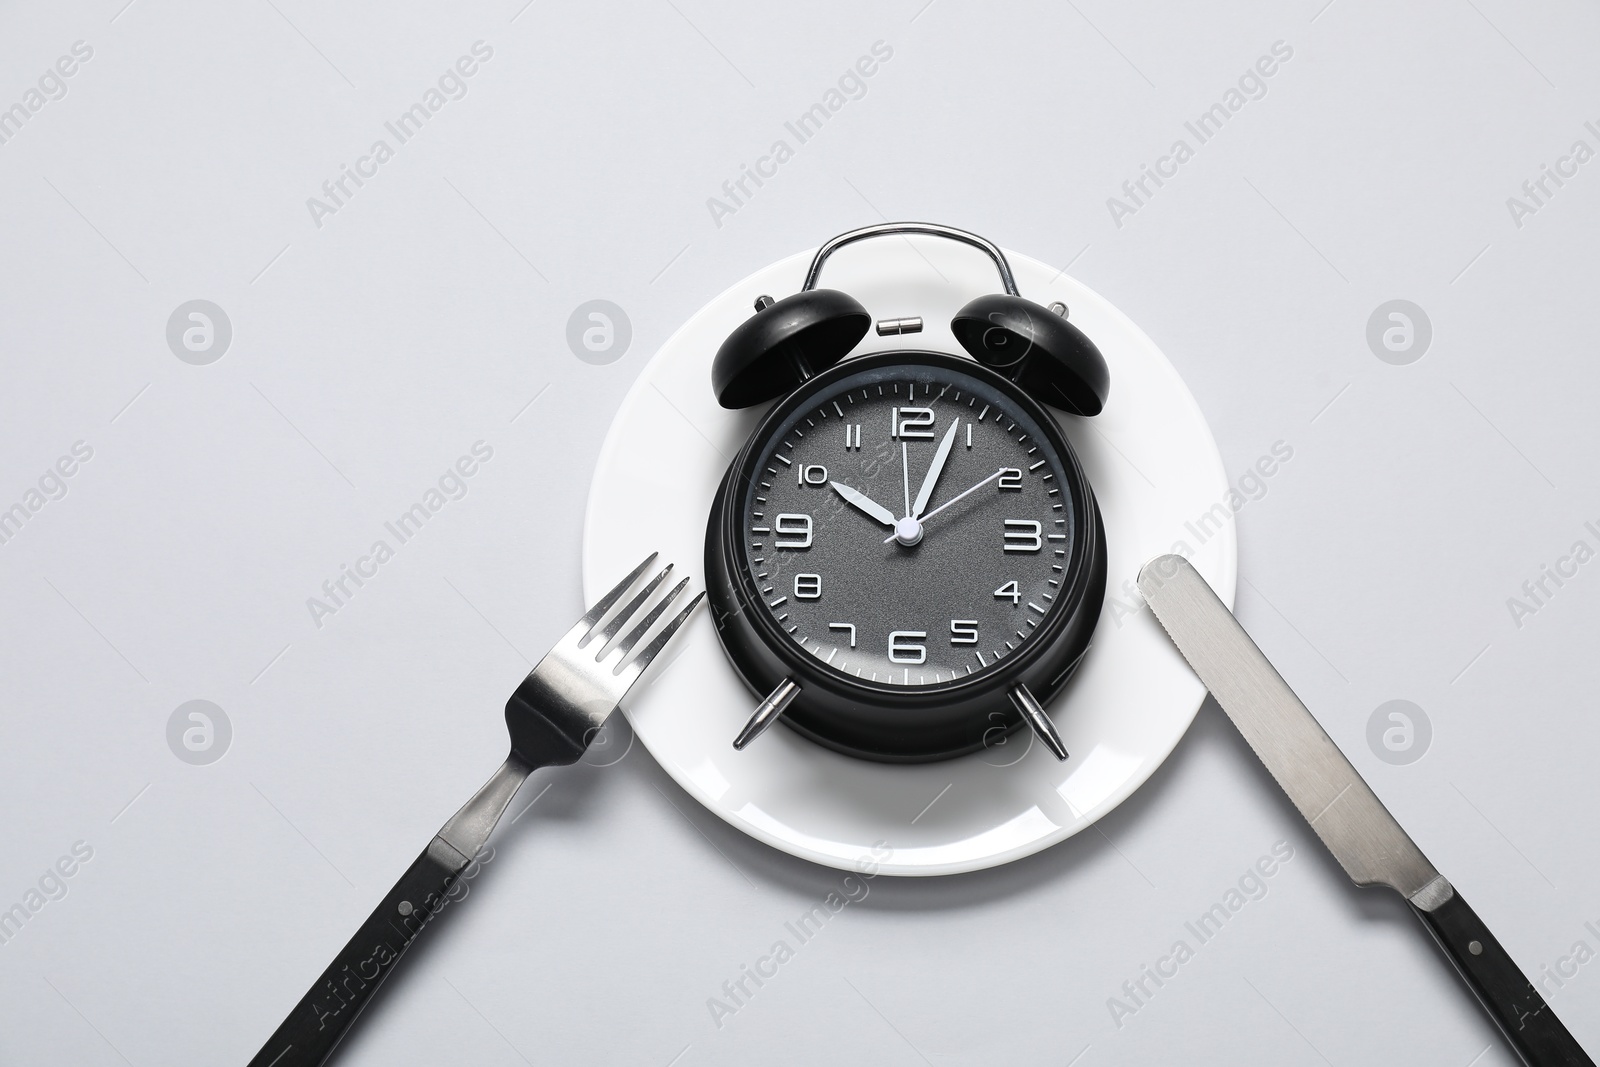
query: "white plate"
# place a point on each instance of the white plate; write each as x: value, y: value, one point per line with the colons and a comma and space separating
x: 1157, y: 475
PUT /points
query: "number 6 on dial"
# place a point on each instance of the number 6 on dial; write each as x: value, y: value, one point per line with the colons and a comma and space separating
x: 905, y: 646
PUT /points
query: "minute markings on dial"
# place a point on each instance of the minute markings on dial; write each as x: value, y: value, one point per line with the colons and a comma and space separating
x: 854, y: 578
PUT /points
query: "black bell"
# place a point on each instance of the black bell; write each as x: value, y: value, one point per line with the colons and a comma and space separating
x: 786, y: 342
x: 1036, y: 348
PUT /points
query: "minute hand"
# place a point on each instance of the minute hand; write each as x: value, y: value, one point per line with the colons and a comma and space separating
x: 935, y: 469
x: 954, y: 499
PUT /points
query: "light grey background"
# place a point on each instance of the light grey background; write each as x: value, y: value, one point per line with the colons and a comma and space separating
x: 430, y: 312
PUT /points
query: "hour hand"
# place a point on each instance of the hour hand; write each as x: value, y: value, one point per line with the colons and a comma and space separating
x: 864, y: 503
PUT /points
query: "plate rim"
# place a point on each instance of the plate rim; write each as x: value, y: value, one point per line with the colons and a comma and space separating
x: 1154, y: 756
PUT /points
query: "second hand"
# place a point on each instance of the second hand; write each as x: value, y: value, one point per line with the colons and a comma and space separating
x: 955, y: 498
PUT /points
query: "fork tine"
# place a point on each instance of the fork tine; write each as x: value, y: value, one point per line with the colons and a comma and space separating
x: 623, y: 617
x: 586, y: 624
x: 627, y: 643
x: 631, y: 672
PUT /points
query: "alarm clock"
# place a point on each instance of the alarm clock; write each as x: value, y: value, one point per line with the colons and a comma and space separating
x: 905, y: 559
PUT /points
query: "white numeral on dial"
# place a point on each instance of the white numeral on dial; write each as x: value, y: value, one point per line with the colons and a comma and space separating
x: 1011, y: 480
x: 1009, y: 590
x: 808, y: 586
x: 905, y: 646
x: 845, y: 626
x: 911, y: 422
x: 964, y: 631
x: 811, y: 474
x: 798, y: 529
x: 852, y: 436
x: 1022, y: 535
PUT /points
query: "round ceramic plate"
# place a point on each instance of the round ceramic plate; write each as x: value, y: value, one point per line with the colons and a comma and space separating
x: 1161, y: 487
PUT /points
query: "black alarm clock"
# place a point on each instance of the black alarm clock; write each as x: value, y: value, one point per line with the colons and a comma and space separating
x: 906, y: 559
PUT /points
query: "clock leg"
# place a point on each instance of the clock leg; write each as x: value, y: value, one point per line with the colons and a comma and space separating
x: 1033, y: 714
x: 768, y: 712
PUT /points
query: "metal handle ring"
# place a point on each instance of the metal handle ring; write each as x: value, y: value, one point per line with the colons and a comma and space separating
x: 931, y: 229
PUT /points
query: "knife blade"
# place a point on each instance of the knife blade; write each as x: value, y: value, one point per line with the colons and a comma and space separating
x: 1342, y: 809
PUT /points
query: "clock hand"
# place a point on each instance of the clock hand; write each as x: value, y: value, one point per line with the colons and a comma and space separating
x: 918, y: 522
x: 865, y: 503
x: 905, y: 476
x: 934, y: 470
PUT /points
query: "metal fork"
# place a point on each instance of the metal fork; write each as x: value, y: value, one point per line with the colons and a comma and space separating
x: 552, y: 717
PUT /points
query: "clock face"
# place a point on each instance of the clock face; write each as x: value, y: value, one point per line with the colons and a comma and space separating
x: 909, y: 525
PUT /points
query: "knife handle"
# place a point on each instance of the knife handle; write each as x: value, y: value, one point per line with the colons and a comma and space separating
x: 1521, y: 1013
x: 308, y: 1036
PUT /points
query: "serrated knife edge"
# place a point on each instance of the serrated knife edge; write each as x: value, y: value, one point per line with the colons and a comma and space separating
x: 1342, y: 809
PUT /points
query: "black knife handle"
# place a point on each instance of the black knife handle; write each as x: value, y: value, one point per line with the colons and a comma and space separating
x: 307, y: 1037
x: 1521, y: 1013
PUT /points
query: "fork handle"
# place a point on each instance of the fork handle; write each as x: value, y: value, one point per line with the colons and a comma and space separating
x: 308, y: 1036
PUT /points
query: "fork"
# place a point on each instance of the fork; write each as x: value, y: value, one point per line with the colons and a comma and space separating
x: 552, y: 718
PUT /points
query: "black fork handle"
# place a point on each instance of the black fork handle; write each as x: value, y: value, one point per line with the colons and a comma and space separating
x: 308, y: 1035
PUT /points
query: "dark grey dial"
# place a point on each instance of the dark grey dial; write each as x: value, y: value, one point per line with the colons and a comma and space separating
x: 908, y: 526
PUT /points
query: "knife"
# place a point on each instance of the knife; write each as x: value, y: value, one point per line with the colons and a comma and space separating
x: 1349, y: 818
